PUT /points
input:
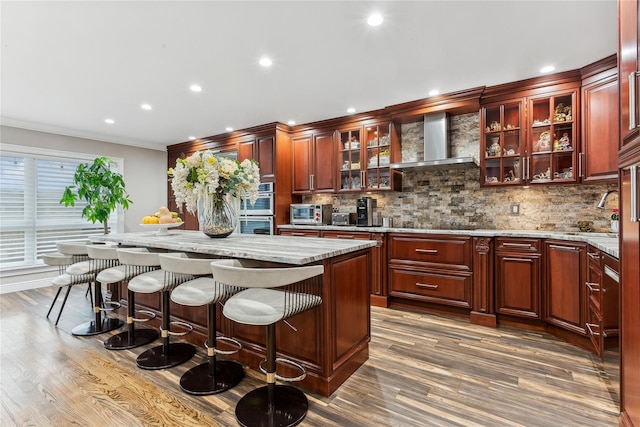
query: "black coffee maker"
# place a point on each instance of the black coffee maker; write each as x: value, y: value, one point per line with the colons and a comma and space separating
x: 366, y: 212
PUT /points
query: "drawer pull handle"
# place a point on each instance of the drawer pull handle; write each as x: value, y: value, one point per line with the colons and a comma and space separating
x: 298, y: 234
x: 517, y: 245
x: 593, y: 287
x: 426, y: 285
x: 426, y: 251
x: 593, y: 255
x: 349, y: 236
x: 569, y: 248
x: 591, y: 332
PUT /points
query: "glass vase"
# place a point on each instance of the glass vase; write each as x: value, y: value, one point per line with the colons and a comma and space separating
x: 216, y: 215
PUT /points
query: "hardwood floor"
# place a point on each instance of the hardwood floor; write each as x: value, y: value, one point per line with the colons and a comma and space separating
x: 423, y: 370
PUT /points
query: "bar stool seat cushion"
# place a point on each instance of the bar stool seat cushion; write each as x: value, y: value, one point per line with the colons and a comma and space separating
x: 196, y: 292
x: 148, y: 283
x: 259, y: 306
x: 112, y: 275
x: 82, y: 267
x: 68, y: 279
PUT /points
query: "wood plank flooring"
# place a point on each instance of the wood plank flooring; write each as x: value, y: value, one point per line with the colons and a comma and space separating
x: 423, y: 370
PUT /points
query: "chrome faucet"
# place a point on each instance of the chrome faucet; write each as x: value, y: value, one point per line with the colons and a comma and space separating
x: 600, y: 204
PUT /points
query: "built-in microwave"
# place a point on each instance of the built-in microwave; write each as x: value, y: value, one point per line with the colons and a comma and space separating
x: 256, y: 224
x: 310, y: 214
x: 264, y: 203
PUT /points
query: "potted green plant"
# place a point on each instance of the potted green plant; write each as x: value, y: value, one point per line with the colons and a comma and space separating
x: 101, y: 188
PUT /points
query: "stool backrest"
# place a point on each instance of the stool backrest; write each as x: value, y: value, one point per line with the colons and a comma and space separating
x: 253, y: 274
x: 102, y: 252
x: 181, y: 263
x: 72, y: 248
x: 139, y: 256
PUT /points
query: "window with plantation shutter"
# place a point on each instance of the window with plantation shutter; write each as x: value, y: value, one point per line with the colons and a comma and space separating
x: 32, y: 219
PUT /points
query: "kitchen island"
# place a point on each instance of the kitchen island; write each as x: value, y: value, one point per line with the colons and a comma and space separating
x: 331, y: 340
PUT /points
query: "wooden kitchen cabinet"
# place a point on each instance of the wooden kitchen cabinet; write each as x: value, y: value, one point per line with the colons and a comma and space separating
x: 530, y: 131
x: 565, y: 294
x: 629, y: 165
x: 432, y: 269
x: 602, y: 290
x: 314, y: 162
x: 518, y: 277
x: 553, y: 138
x: 298, y: 232
x: 598, y: 158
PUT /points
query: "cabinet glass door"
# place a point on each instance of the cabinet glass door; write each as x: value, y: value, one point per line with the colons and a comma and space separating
x: 378, y: 157
x: 552, y: 138
x: 350, y: 160
x: 502, y: 144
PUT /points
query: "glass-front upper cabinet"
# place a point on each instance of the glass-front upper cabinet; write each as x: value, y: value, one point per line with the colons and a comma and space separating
x: 553, y: 125
x: 502, y: 145
x: 351, y: 161
x: 378, y: 157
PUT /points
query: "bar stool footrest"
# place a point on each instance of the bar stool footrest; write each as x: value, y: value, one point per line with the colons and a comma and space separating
x: 225, y: 339
x: 287, y: 362
x: 113, y: 305
x: 185, y: 325
x: 151, y: 315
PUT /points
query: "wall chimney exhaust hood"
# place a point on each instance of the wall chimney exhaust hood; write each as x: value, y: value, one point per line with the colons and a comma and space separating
x: 436, y: 148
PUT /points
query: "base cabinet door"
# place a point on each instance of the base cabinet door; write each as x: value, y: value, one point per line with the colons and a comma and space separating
x: 518, y: 272
x: 566, y: 264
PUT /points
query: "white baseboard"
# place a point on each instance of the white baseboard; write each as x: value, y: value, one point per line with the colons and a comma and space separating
x: 24, y: 286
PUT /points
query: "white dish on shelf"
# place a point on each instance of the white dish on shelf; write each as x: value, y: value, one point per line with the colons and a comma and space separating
x: 162, y: 228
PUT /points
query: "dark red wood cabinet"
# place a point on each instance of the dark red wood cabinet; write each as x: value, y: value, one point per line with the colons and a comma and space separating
x: 629, y: 166
x: 518, y: 277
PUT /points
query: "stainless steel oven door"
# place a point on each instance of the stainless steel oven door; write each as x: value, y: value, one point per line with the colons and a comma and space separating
x: 256, y: 224
x: 262, y: 206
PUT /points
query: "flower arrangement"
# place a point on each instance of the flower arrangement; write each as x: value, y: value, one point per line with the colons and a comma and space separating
x: 615, y: 215
x: 205, y: 174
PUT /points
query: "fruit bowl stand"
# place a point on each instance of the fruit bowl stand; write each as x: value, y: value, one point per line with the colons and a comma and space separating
x: 162, y: 228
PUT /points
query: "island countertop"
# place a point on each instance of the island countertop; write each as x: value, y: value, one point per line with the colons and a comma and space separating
x: 280, y: 249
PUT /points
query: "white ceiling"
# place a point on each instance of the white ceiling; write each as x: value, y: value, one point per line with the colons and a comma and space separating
x: 66, y: 66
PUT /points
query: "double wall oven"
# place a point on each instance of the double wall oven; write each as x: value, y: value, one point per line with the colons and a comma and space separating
x: 258, y: 219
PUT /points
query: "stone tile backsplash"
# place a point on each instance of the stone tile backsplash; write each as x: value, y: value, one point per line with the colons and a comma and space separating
x: 453, y: 199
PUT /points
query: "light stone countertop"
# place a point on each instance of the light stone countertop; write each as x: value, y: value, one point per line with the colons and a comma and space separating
x: 606, y: 242
x: 280, y: 249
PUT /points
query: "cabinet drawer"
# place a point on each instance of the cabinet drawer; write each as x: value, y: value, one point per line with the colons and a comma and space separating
x: 446, y: 252
x: 346, y: 235
x: 434, y: 286
x: 514, y: 244
x: 300, y: 233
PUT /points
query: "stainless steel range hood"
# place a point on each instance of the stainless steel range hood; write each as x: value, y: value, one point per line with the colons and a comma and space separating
x: 436, y: 148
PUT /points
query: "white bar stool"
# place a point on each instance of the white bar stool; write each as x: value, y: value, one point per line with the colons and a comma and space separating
x: 294, y: 290
x: 176, y: 268
x: 133, y: 262
x: 62, y: 261
x: 101, y: 257
x: 212, y: 376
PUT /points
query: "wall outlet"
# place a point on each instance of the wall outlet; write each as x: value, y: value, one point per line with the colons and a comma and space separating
x: 515, y: 209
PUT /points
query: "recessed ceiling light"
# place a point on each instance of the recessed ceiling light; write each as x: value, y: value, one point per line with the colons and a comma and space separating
x: 351, y: 110
x: 547, y: 69
x: 291, y: 122
x: 375, y: 19
x: 192, y: 138
x: 109, y: 121
x: 229, y: 129
x: 265, y: 62
x: 434, y: 92
x: 195, y: 88
x: 145, y: 106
